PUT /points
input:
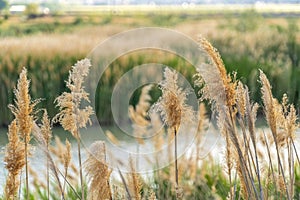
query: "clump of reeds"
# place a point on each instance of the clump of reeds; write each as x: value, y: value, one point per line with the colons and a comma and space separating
x: 282, y: 120
x: 98, y: 172
x: 24, y: 112
x: 236, y: 120
x: 14, y: 161
x: 172, y: 106
x: 71, y: 116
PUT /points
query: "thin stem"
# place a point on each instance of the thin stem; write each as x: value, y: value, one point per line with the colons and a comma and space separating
x: 176, y: 167
x: 80, y: 166
x: 258, y: 175
x: 65, y: 179
x: 295, y: 150
x: 270, y: 162
x: 69, y: 184
x: 26, y: 170
x: 228, y: 163
x: 48, y: 184
x: 281, y: 168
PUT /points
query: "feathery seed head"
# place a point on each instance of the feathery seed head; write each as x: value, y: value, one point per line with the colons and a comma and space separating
x: 24, y: 108
x: 241, y: 98
x: 67, y: 155
x: 172, y: 104
x: 71, y: 116
x: 98, y: 172
x: 14, y: 160
x: 46, y: 128
x: 269, y: 102
x: 228, y: 84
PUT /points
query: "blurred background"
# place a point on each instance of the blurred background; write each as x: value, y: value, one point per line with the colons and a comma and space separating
x: 48, y: 37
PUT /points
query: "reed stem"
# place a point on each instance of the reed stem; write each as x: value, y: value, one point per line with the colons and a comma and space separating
x: 80, y: 167
x: 26, y: 170
x: 176, y: 165
x: 48, y: 184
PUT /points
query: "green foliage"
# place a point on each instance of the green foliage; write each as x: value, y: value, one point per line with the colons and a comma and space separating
x: 106, y: 19
x: 248, y: 21
x: 166, y: 19
x: 32, y: 10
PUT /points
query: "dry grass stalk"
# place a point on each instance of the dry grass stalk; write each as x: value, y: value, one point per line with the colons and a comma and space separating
x: 134, y: 182
x: 70, y: 115
x: 288, y: 125
x: 14, y: 161
x: 47, y: 135
x: 66, y: 161
x: 24, y: 111
x: 230, y: 101
x: 272, y: 113
x: 40, y: 137
x: 98, y: 173
x: 251, y: 112
x: 138, y: 114
x: 216, y: 59
x: 172, y: 106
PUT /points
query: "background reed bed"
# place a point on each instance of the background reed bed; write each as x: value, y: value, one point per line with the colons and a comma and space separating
x: 247, y: 43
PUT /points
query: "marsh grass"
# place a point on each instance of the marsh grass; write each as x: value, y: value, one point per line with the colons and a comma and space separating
x: 259, y: 164
x: 273, y: 46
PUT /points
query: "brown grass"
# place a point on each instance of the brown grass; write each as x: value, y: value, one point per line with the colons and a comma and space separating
x: 24, y: 112
x: 15, y: 161
x: 98, y: 173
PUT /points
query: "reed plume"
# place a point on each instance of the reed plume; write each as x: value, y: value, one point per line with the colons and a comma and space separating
x: 98, y: 173
x: 66, y: 161
x: 272, y: 112
x: 221, y: 92
x: 14, y: 161
x: 70, y: 115
x: 173, y: 108
x: 24, y: 112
